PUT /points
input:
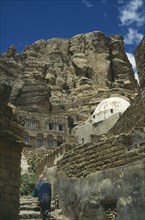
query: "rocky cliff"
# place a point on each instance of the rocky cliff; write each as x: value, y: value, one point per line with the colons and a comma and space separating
x: 67, y: 75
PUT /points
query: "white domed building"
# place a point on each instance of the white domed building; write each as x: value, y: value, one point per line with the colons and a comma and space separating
x: 104, y: 117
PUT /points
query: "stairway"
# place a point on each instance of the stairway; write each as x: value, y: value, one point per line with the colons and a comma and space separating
x: 30, y: 211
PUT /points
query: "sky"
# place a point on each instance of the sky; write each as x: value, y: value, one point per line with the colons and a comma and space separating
x: 22, y: 22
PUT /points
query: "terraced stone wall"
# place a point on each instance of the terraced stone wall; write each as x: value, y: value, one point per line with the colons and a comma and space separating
x: 101, y: 154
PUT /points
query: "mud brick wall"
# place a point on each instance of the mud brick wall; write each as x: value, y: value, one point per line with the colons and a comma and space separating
x: 9, y: 180
x: 133, y: 117
x: 108, y: 153
x: 140, y: 62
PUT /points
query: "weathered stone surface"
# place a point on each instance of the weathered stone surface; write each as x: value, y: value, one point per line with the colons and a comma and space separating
x: 67, y: 71
x: 86, y: 197
x: 140, y: 58
x: 10, y: 153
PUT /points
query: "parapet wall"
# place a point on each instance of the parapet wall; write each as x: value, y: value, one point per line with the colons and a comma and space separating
x: 102, y: 154
x: 133, y: 117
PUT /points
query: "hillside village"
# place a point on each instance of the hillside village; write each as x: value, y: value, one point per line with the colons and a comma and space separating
x: 73, y: 108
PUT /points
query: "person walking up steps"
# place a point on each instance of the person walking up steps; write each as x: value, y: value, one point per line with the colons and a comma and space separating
x: 44, y: 197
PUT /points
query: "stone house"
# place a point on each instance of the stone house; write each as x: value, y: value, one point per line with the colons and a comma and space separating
x: 46, y: 130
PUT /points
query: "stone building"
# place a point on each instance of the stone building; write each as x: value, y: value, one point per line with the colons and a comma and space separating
x: 46, y: 130
x: 102, y: 120
x: 11, y: 133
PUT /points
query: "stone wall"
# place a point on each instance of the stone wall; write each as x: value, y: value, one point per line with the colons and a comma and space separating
x: 140, y: 62
x: 102, y: 154
x: 105, y: 173
x: 135, y: 114
x: 49, y: 158
x: 87, y: 198
x: 133, y: 117
x: 10, y: 155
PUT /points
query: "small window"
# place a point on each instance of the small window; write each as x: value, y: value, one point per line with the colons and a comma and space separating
x: 50, y: 143
x: 27, y: 123
x: 60, y: 127
x: 34, y: 124
x: 82, y: 140
x: 39, y: 142
x: 111, y: 110
x: 50, y: 126
x: 26, y: 140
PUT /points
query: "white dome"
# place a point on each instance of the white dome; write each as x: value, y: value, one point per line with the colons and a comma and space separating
x: 114, y: 103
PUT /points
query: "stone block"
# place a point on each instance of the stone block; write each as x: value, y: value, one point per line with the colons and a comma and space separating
x: 2, y: 183
x: 4, y: 173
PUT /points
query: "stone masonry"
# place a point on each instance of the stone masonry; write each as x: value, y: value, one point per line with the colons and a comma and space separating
x: 140, y: 58
x: 10, y: 157
x: 46, y: 130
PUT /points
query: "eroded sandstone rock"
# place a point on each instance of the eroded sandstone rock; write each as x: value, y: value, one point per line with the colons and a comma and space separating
x: 70, y: 72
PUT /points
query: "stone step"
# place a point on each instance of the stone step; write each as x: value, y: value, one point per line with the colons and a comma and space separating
x: 29, y: 214
x: 31, y: 218
x: 29, y: 207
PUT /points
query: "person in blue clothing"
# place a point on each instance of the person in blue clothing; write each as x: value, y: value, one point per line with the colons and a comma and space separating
x: 39, y: 182
x: 37, y: 187
x: 44, y: 197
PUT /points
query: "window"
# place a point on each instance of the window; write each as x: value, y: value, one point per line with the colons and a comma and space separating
x: 50, y: 143
x: 26, y: 140
x: 27, y: 123
x: 111, y: 110
x: 50, y: 126
x: 39, y: 142
x: 60, y: 127
x: 33, y: 124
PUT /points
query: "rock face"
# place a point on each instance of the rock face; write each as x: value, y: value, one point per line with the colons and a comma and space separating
x: 139, y: 57
x: 67, y: 75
